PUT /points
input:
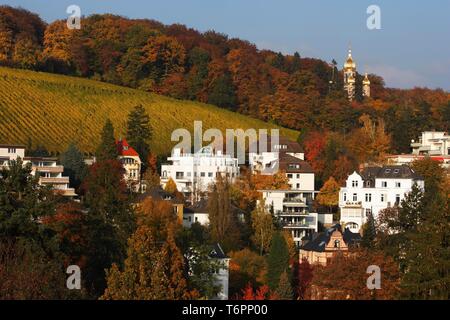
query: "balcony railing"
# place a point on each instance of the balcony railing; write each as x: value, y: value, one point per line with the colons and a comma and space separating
x: 53, y: 180
x: 293, y: 200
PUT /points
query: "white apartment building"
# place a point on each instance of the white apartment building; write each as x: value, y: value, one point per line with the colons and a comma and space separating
x: 435, y: 145
x: 287, y: 157
x: 194, y: 173
x: 46, y: 168
x: 263, y: 159
x: 373, y: 190
x: 432, y: 143
x: 292, y: 208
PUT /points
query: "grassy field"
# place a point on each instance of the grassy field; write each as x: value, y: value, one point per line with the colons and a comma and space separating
x: 54, y: 110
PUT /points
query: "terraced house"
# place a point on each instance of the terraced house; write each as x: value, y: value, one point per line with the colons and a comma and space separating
x: 46, y: 168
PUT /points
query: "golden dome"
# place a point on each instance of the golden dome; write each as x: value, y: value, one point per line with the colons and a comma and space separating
x: 349, y: 63
x: 366, y: 80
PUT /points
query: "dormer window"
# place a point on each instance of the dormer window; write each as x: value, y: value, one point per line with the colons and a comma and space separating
x: 354, y: 183
x: 388, y: 171
x: 337, y: 243
x: 396, y: 171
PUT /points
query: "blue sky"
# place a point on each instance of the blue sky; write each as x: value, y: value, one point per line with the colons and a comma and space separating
x: 411, y: 49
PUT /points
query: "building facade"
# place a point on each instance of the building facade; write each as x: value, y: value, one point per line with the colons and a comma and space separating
x: 293, y: 209
x: 432, y: 143
x: 372, y: 190
x: 194, y: 173
x: 320, y: 248
x: 46, y: 168
x: 132, y: 164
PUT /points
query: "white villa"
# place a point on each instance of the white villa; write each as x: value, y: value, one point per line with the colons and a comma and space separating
x: 373, y: 190
x: 131, y: 163
x: 194, y: 173
x: 46, y: 168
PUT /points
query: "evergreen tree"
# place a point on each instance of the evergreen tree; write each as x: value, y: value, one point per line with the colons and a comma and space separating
x: 139, y: 132
x: 107, y: 149
x: 369, y: 232
x: 284, y: 289
x: 277, y: 260
x: 23, y: 202
x: 110, y: 220
x: 74, y: 166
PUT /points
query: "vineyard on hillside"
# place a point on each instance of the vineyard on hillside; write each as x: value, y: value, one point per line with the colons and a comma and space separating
x: 54, y: 110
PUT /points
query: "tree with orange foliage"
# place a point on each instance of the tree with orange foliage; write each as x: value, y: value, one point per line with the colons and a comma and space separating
x: 262, y: 293
x: 164, y: 55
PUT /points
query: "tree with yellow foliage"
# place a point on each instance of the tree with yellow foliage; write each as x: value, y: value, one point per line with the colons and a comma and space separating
x: 329, y: 194
x: 154, y: 268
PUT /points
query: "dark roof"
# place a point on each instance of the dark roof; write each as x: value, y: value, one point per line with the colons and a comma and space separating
x: 199, y: 207
x: 319, y: 241
x: 17, y: 146
x: 217, y: 252
x: 390, y: 172
x: 160, y: 195
x: 292, y: 164
x: 291, y: 146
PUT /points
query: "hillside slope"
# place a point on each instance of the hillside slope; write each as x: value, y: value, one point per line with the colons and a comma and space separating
x: 54, y: 110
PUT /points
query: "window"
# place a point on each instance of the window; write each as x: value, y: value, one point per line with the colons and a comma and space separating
x: 345, y: 197
x: 368, y: 212
x: 289, y: 175
x: 11, y: 150
x: 368, y: 197
x: 337, y: 243
x: 397, y: 199
x: 298, y: 175
x: 398, y: 185
x: 354, y: 183
x: 355, y: 197
x: 188, y: 174
x: 384, y: 184
x: 202, y: 174
x: 383, y: 197
x: 298, y: 185
x: 210, y: 174
x: 388, y: 170
x: 396, y: 171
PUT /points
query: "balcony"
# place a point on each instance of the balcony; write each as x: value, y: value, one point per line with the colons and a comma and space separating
x: 54, y: 180
x: 293, y: 214
x: 353, y: 204
x: 51, y: 169
x: 296, y: 225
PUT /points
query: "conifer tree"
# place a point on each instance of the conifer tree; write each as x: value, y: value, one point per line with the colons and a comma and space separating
x: 284, y: 288
x: 139, y: 132
x: 74, y: 166
x: 369, y: 232
x: 277, y: 260
x: 107, y: 149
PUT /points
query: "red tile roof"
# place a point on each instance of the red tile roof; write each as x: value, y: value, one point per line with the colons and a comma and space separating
x: 125, y: 149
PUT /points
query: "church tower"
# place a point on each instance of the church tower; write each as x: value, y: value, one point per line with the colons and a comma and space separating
x: 350, y: 76
x: 366, y: 87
